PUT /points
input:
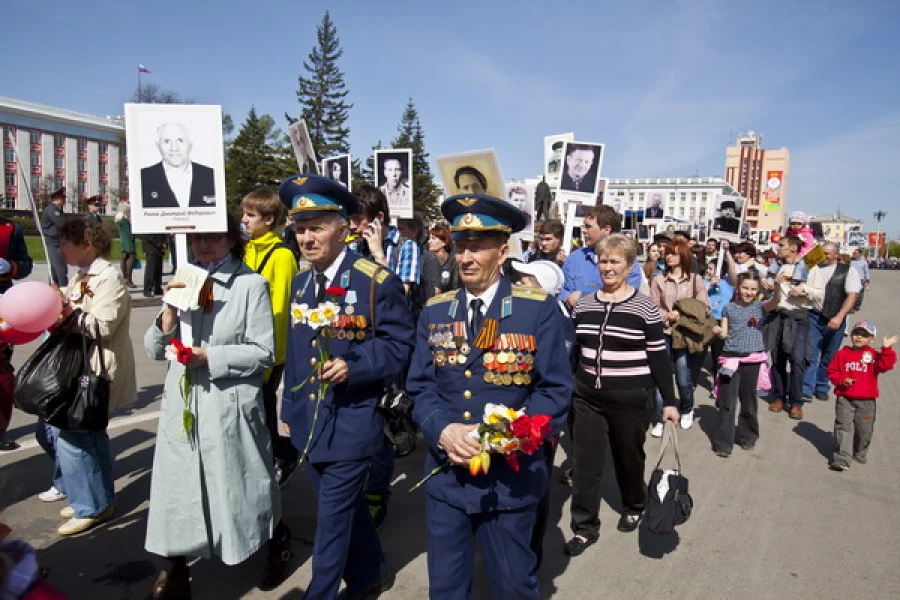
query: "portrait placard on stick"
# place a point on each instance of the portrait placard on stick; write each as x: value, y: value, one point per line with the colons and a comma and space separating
x: 393, y: 176
x: 471, y: 173
x: 303, y: 148
x: 176, y: 168
x: 728, y: 218
x: 553, y: 157
x: 338, y: 169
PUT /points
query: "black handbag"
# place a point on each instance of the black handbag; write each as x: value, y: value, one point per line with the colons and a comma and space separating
x: 674, y: 507
x: 56, y: 382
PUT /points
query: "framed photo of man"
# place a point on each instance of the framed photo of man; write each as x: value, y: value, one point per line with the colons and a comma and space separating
x: 520, y: 193
x: 393, y: 176
x: 762, y: 238
x: 475, y: 172
x: 581, y: 169
x: 176, y: 168
x: 553, y: 156
x: 654, y: 207
x: 856, y: 239
x: 302, y: 145
x: 728, y: 217
x: 338, y: 169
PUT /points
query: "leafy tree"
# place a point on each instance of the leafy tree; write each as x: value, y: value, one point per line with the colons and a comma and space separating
x: 322, y: 94
x: 365, y: 173
x: 257, y: 156
x: 411, y: 135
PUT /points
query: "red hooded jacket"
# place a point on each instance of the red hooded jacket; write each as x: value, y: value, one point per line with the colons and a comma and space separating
x: 863, y: 366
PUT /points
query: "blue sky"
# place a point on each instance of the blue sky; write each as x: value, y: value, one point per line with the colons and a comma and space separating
x: 664, y: 84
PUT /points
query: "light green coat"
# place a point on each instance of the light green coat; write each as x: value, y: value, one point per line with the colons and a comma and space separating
x: 213, y: 493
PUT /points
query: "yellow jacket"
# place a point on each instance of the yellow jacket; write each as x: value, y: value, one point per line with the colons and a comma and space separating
x: 279, y: 270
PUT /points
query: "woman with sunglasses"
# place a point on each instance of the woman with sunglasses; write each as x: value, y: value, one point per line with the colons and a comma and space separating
x: 212, y: 491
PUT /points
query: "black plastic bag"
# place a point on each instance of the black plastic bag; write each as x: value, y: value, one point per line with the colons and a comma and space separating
x: 399, y: 427
x: 663, y: 514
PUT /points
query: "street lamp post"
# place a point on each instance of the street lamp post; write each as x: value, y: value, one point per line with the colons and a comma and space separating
x: 879, y: 215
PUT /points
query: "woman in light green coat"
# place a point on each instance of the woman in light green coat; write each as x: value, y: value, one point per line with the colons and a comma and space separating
x: 212, y: 491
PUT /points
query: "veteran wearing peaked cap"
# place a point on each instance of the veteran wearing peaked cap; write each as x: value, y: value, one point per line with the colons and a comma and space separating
x: 338, y: 431
x: 488, y: 342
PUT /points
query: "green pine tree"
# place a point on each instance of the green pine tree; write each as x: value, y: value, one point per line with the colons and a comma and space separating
x: 257, y: 156
x: 322, y: 94
x: 411, y: 135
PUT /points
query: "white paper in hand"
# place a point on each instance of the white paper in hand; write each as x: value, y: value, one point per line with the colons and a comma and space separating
x: 186, y: 298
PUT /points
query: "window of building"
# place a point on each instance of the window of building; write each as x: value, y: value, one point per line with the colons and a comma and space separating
x: 704, y: 196
x: 702, y: 212
x: 35, y: 137
x: 103, y: 168
x: 693, y: 196
x: 81, y: 164
x: 81, y: 187
x: 102, y: 147
x: 35, y: 183
x: 9, y: 156
x: 82, y: 144
x: 681, y: 212
x: 693, y: 213
x: 683, y: 196
x: 59, y: 162
x: 102, y: 188
x: 59, y: 140
x: 10, y: 180
x: 671, y: 196
x: 35, y: 158
x: 641, y: 198
x: 58, y: 183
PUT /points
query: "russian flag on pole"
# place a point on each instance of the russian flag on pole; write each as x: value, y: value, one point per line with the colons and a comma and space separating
x: 143, y: 69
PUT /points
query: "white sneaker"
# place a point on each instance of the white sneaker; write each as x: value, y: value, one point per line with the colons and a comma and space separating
x: 51, y: 495
x: 657, y: 430
x: 687, y: 419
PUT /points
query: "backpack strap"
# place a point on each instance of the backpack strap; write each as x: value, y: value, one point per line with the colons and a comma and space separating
x: 268, y: 255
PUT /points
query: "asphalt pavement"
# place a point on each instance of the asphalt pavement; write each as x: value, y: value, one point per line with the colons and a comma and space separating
x: 774, y: 522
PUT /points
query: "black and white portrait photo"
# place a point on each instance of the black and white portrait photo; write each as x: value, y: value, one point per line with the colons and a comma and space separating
x: 302, y: 145
x: 727, y: 220
x: 553, y: 156
x: 392, y: 176
x: 654, y: 208
x: 762, y: 238
x: 338, y: 168
x: 856, y: 239
x: 176, y: 168
x: 581, y: 167
x: 644, y: 233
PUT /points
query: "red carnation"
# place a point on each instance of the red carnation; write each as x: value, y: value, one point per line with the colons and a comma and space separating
x: 336, y: 291
x: 521, y: 427
x: 512, y: 459
x: 182, y: 353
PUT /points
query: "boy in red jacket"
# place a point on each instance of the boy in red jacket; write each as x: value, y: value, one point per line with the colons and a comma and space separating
x: 854, y: 371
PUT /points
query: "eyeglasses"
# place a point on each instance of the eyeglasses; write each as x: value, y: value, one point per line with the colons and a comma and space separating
x: 211, y: 238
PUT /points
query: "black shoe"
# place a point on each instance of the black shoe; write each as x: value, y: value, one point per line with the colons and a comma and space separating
x: 6, y: 445
x: 578, y: 544
x: 148, y: 295
x: 371, y: 592
x: 568, y: 477
x: 278, y: 559
x: 377, y: 508
x: 836, y: 466
x: 629, y: 522
x: 174, y: 585
x: 821, y: 395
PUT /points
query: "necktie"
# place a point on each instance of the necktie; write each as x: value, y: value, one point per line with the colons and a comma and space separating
x: 477, y: 317
x: 321, y: 280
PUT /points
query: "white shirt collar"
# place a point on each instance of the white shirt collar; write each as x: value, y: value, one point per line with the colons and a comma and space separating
x: 331, y: 271
x: 487, y: 296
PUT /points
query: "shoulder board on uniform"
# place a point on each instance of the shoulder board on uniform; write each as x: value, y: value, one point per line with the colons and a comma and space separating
x: 519, y: 291
x: 445, y: 297
x: 304, y: 268
x: 366, y: 266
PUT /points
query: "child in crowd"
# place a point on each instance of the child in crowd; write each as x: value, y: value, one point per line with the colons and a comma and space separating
x: 742, y: 364
x: 798, y: 226
x: 854, y: 371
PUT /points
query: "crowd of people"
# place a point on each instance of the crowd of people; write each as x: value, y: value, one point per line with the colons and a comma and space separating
x: 466, y: 326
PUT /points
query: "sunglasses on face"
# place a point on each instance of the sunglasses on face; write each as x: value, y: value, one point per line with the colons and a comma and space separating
x: 211, y: 238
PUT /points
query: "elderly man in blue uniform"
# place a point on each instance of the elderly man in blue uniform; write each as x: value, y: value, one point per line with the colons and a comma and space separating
x: 580, y: 269
x: 489, y: 342
x: 332, y: 410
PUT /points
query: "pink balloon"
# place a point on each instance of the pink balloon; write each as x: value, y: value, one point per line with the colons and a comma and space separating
x: 31, y: 306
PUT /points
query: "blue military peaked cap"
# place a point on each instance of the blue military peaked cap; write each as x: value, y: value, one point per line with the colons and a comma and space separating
x: 310, y: 196
x: 474, y: 216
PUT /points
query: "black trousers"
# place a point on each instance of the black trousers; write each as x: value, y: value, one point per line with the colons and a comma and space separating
x: 282, y: 448
x: 740, y: 385
x: 59, y: 270
x: 153, y: 270
x: 622, y: 418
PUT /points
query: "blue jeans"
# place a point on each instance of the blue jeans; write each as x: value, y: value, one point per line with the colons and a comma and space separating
x: 46, y: 435
x: 85, y: 461
x: 788, y: 386
x: 686, y: 367
x: 823, y: 345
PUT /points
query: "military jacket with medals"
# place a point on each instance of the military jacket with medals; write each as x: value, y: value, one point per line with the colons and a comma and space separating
x: 349, y: 426
x: 518, y: 358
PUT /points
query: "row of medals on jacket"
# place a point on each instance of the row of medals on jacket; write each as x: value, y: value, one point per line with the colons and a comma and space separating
x: 509, y: 361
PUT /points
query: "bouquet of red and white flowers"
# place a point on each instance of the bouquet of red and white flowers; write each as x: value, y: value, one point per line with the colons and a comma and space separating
x: 505, y: 431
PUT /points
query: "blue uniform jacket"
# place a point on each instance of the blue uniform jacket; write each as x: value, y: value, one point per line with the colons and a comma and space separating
x: 349, y: 427
x: 445, y: 393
